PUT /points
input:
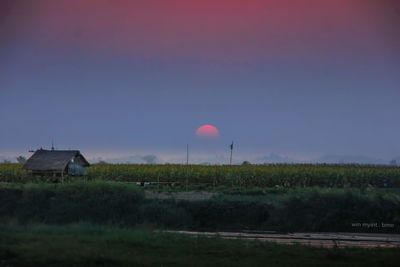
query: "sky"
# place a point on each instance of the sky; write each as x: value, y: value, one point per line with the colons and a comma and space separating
x: 294, y: 80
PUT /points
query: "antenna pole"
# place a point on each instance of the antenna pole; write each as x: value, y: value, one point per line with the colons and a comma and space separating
x: 230, y: 161
x: 187, y: 164
x: 187, y: 154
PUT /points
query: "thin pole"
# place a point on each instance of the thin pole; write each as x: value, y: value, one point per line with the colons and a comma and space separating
x: 187, y: 154
x: 230, y: 161
x: 187, y: 164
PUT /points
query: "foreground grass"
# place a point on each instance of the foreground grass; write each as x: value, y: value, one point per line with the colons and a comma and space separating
x: 89, y: 245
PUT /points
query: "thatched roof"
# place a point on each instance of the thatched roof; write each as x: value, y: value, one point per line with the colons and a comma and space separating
x: 53, y: 160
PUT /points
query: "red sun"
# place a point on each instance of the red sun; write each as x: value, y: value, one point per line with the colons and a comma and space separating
x: 207, y: 131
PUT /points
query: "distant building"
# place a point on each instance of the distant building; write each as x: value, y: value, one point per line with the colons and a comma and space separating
x: 57, y: 162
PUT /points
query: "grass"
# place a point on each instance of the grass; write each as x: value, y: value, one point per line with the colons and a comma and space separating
x: 290, y: 209
x: 98, y: 220
x: 90, y: 245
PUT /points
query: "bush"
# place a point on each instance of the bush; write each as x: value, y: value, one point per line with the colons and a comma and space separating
x: 104, y: 203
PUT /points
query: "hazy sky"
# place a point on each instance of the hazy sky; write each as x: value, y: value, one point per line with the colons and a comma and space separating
x: 300, y: 78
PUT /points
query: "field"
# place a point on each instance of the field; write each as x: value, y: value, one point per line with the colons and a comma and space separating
x: 283, y: 210
x: 286, y: 175
x: 258, y: 197
x: 105, y: 218
x: 91, y: 245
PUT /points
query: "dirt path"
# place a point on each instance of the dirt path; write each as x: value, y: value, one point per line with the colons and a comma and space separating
x: 201, y: 195
x: 313, y: 239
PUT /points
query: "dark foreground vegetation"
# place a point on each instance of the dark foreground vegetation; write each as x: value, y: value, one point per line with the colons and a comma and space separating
x: 284, y: 210
x: 89, y: 245
x: 94, y: 220
x: 287, y: 175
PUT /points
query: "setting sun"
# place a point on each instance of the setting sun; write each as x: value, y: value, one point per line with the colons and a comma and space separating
x: 207, y: 131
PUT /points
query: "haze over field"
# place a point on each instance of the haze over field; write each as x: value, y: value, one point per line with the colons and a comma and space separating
x: 131, y: 81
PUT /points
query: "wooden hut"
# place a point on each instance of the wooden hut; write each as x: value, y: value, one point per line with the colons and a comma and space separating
x: 57, y: 163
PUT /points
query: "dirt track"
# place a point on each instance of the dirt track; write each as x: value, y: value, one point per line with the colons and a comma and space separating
x: 201, y: 195
x: 313, y: 239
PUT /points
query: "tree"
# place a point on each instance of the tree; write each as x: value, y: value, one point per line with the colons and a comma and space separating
x: 150, y: 159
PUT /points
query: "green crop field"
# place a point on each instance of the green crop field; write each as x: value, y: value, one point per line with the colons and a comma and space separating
x: 286, y: 175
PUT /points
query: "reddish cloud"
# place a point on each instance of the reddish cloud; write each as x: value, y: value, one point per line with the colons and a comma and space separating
x: 234, y: 29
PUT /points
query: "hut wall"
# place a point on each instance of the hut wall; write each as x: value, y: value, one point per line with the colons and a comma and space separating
x: 76, y: 169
